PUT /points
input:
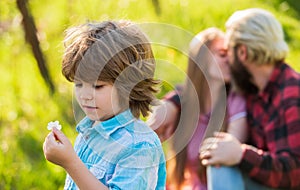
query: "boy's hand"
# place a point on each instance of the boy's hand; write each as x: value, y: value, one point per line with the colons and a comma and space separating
x: 58, y: 149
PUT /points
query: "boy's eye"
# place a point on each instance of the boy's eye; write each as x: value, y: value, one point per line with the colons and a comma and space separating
x: 97, y: 86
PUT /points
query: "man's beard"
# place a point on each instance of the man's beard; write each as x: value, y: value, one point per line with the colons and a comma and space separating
x: 242, y: 78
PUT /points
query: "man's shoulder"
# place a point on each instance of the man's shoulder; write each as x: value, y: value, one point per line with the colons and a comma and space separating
x: 289, y: 72
x: 288, y: 84
x: 286, y: 77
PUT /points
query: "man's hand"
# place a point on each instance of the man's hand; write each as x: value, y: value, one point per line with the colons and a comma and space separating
x: 222, y: 149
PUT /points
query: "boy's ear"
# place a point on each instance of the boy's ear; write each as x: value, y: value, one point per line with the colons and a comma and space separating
x: 242, y: 52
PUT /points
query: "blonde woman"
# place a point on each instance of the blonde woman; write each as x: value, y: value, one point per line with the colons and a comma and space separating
x: 190, y: 117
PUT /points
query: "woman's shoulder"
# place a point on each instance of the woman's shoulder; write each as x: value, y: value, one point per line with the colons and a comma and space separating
x: 234, y: 99
x: 236, y: 105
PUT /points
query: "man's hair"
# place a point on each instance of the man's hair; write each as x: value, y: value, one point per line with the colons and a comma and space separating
x: 259, y: 30
x: 117, y: 52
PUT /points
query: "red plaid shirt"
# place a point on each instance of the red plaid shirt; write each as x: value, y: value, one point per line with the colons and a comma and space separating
x: 274, y: 130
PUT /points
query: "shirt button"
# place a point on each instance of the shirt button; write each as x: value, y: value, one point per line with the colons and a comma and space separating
x: 87, y: 137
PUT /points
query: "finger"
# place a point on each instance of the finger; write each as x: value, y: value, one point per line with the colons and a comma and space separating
x: 44, y: 146
x: 49, y: 138
x: 220, y: 134
x: 210, y: 161
x: 59, y: 136
x: 205, y: 155
x: 49, y: 143
x: 208, y: 144
x: 204, y: 162
x: 210, y: 140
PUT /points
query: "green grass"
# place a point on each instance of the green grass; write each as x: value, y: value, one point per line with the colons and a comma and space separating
x: 26, y: 106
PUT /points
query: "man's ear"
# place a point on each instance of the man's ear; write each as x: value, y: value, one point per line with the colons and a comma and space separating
x: 242, y: 52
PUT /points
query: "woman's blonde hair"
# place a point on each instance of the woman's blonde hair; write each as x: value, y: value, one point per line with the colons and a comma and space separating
x: 193, y: 101
x: 117, y: 52
x: 260, y: 32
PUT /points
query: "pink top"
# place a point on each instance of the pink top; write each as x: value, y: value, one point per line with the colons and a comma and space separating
x: 236, y: 109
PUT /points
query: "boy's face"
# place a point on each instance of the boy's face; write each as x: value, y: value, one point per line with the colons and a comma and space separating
x: 99, y: 101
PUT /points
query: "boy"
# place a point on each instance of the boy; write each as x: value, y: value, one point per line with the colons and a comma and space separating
x: 112, y: 66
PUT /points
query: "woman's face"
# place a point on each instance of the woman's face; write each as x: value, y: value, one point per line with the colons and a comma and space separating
x: 220, y: 55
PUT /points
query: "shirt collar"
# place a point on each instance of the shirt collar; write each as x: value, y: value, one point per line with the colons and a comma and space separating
x: 106, y: 128
x: 275, y: 76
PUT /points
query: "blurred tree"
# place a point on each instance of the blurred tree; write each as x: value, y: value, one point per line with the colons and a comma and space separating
x: 31, y: 37
x: 156, y: 6
x: 295, y: 4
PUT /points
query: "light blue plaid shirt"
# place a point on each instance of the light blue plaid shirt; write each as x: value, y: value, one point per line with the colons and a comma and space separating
x: 122, y: 152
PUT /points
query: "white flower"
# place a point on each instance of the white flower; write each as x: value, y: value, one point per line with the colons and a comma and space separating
x: 55, y: 124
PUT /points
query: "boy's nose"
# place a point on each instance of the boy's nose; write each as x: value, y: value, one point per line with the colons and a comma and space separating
x: 86, y: 94
x: 86, y: 97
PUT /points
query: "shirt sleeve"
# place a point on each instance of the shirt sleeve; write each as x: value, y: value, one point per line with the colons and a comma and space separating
x: 236, y: 106
x: 279, y: 167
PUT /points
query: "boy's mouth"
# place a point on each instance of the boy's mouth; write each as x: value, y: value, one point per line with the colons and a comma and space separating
x: 89, y: 107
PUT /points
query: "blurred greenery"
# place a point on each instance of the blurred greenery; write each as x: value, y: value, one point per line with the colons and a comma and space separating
x: 26, y: 106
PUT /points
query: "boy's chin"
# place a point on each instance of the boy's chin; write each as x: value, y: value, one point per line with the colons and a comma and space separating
x: 99, y: 117
x: 94, y: 117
